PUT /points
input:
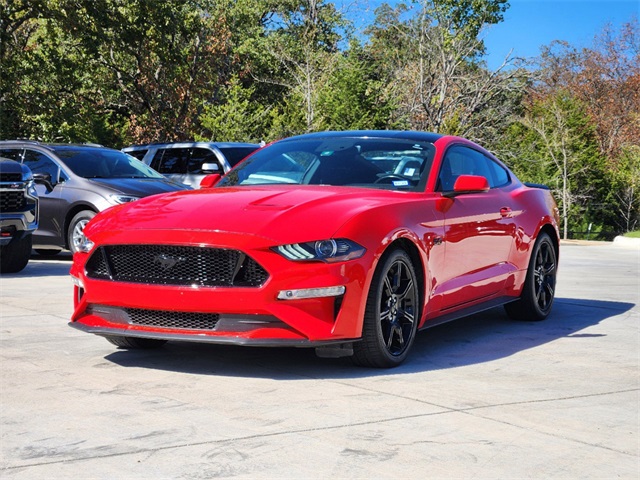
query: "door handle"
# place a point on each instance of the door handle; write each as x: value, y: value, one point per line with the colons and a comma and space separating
x: 505, y: 211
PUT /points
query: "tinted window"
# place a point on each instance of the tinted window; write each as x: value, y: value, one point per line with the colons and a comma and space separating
x: 104, y: 163
x: 40, y: 163
x: 139, y: 154
x: 500, y: 175
x: 461, y: 160
x: 11, y: 153
x: 235, y: 154
x: 173, y: 160
x: 200, y: 156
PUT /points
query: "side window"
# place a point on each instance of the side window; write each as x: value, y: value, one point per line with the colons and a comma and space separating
x: 459, y: 160
x: 139, y: 154
x: 11, y: 153
x: 500, y: 175
x: 40, y: 163
x: 235, y: 154
x: 155, y: 161
x: 200, y: 156
x: 173, y: 160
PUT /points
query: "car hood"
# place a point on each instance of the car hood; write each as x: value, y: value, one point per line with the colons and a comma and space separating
x: 138, y: 187
x: 280, y: 213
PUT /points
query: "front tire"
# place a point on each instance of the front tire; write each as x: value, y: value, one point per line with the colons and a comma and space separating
x: 135, y: 343
x: 14, y: 256
x: 391, y: 315
x: 539, y: 288
x: 75, y: 235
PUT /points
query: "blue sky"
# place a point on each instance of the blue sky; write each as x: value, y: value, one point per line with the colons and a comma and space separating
x: 530, y: 24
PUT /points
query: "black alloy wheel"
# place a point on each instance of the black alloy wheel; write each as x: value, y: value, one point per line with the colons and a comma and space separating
x: 538, y: 293
x: 391, y: 315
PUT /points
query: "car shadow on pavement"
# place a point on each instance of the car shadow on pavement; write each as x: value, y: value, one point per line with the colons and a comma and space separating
x: 475, y: 339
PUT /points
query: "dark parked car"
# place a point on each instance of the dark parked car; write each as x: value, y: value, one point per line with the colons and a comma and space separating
x: 77, y: 181
x: 190, y: 162
x: 18, y: 215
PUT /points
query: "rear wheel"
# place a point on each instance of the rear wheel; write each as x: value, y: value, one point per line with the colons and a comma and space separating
x: 75, y: 235
x: 15, y: 255
x: 391, y: 315
x: 539, y: 288
x: 135, y: 342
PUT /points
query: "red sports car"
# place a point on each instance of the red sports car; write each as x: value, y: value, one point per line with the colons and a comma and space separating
x: 349, y: 242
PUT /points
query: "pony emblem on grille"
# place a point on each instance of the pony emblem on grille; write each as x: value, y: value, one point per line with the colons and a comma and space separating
x: 167, y: 262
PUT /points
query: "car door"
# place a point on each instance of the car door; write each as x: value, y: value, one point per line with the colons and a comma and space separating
x: 52, y: 205
x: 479, y: 230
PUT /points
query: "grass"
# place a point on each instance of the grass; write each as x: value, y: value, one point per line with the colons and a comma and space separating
x: 635, y: 234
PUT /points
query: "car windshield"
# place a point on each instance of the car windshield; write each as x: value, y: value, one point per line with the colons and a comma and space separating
x: 355, y: 161
x: 103, y: 163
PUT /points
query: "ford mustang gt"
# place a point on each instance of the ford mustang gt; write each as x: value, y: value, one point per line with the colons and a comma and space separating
x: 348, y: 242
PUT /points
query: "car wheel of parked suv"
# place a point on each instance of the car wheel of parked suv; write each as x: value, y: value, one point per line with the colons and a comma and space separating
x: 75, y: 237
x: 14, y: 256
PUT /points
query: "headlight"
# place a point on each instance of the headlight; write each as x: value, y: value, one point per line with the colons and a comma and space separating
x: 31, y: 189
x: 118, y: 199
x: 338, y: 250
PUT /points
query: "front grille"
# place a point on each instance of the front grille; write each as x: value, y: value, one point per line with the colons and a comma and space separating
x: 10, y: 177
x: 176, y: 265
x: 12, y: 200
x: 177, y: 320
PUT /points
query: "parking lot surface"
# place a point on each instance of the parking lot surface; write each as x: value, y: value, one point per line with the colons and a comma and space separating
x: 483, y: 397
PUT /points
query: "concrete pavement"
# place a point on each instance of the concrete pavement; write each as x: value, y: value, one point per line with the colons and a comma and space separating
x: 483, y: 398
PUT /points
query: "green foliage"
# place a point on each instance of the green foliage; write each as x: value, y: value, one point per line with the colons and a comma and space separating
x: 555, y: 144
x: 354, y: 96
x: 235, y: 117
x: 625, y: 189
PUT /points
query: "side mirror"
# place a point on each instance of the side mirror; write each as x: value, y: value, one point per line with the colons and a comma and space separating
x: 468, y: 184
x: 44, y: 179
x: 210, y: 168
x: 210, y: 180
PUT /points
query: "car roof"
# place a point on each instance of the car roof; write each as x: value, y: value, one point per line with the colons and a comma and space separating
x: 191, y: 144
x: 399, y: 134
x: 56, y: 146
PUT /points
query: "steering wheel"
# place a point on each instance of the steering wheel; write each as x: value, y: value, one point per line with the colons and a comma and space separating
x: 391, y: 176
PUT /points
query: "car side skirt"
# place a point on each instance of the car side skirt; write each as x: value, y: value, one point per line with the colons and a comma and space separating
x: 465, y: 312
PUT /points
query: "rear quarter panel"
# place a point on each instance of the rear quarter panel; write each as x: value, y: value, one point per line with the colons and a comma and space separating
x: 536, y: 209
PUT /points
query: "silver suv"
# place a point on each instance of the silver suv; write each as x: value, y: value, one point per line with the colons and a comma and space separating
x: 74, y: 182
x: 190, y: 162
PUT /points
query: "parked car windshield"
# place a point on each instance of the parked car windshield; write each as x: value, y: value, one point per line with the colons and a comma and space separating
x: 364, y: 162
x: 103, y: 163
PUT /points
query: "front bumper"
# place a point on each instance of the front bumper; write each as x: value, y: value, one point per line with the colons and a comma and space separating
x: 243, y: 315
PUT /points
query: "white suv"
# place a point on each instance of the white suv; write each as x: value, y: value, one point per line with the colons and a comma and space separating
x: 190, y: 162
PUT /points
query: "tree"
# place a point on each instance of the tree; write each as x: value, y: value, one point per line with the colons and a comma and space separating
x: 353, y: 96
x: 235, y: 117
x: 436, y: 71
x: 565, y: 152
x: 302, y: 41
x: 626, y: 187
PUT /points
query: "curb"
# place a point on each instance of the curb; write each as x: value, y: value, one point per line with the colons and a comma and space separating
x: 627, y: 241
